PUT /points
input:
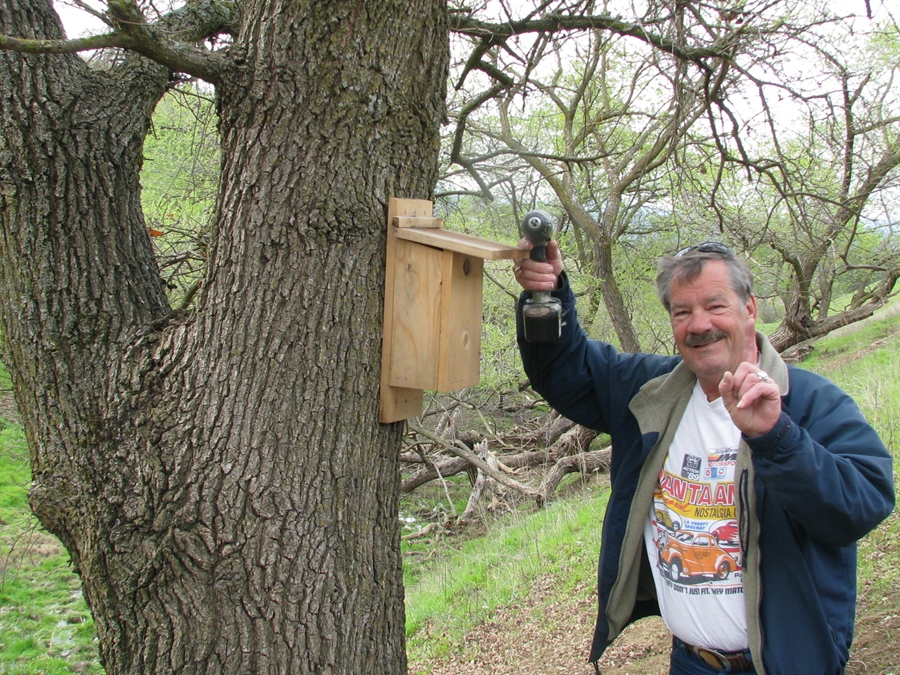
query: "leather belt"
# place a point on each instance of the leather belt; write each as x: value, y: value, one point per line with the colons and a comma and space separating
x: 724, y: 661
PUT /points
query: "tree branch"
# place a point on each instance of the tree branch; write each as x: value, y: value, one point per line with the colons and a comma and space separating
x: 495, y: 33
x: 154, y: 41
x: 171, y: 41
x: 461, y: 451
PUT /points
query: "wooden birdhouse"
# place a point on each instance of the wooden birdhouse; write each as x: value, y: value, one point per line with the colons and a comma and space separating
x: 432, y: 307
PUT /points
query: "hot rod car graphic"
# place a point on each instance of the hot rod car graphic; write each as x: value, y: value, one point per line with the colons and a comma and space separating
x: 694, y: 554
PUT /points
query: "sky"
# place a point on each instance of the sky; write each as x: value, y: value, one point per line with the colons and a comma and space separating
x: 77, y: 22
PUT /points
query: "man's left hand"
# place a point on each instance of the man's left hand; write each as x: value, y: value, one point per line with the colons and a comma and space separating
x: 752, y: 398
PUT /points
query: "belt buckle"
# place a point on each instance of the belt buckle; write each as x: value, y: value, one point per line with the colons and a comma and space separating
x: 713, y: 658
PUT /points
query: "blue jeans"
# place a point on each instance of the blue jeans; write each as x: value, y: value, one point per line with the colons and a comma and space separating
x: 685, y: 662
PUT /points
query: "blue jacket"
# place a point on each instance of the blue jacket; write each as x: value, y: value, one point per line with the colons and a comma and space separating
x: 806, y: 491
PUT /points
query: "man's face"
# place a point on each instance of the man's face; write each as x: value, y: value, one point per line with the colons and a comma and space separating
x: 714, y: 330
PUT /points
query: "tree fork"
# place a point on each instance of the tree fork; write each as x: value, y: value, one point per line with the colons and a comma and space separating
x: 218, y: 522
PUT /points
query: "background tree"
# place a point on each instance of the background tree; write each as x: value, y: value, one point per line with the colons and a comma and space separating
x: 600, y: 119
x: 613, y: 129
x: 822, y: 175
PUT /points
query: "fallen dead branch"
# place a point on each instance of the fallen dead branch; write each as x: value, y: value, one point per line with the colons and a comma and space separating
x: 483, y: 483
x: 584, y: 463
x: 460, y: 450
x: 568, y: 454
x: 424, y: 532
x: 453, y: 465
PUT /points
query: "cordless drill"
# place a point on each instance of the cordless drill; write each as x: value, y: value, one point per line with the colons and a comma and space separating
x: 542, y: 313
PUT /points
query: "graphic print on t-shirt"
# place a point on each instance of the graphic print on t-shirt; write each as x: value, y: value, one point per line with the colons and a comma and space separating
x: 695, y: 522
x: 690, y: 467
x: 691, y: 532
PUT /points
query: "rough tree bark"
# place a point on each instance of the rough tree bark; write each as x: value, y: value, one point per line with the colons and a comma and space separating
x: 220, y: 478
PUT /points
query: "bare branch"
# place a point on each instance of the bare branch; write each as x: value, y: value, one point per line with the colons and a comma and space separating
x: 34, y: 46
x: 172, y: 41
x: 495, y: 33
x: 462, y: 451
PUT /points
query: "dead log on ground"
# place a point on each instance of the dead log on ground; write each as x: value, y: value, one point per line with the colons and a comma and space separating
x: 453, y: 465
x: 484, y: 484
x: 575, y: 440
x: 585, y: 463
x: 462, y: 451
x: 569, y: 439
x: 424, y: 532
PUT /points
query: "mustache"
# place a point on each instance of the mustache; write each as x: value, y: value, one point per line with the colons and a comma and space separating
x: 704, y: 338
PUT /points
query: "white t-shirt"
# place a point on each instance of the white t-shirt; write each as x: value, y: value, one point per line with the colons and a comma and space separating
x: 692, y: 532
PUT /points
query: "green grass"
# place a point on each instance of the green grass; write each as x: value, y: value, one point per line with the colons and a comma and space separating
x: 466, y: 585
x: 45, y: 625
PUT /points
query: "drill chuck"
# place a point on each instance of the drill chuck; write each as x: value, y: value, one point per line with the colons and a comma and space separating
x: 537, y: 228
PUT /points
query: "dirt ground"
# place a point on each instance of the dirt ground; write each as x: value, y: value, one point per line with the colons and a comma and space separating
x: 549, y: 635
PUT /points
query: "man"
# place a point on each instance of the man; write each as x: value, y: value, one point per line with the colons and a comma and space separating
x: 740, y: 485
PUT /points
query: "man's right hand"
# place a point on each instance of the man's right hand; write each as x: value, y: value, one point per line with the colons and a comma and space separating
x: 538, y: 276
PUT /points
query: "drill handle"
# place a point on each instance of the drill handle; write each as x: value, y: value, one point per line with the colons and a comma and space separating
x: 539, y: 253
x: 542, y: 314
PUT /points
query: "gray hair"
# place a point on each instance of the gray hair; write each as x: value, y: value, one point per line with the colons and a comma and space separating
x: 688, y: 266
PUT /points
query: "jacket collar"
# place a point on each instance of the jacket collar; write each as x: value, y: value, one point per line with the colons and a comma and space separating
x: 771, y: 362
x: 659, y: 398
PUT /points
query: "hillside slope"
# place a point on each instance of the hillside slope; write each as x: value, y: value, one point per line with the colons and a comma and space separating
x: 548, y: 631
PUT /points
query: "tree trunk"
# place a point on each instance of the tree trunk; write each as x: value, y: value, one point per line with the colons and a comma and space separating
x: 220, y: 478
x: 613, y: 298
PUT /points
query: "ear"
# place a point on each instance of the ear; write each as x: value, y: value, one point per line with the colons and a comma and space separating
x: 751, y: 308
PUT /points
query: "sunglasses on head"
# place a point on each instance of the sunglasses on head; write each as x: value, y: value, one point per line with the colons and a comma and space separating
x: 706, y: 247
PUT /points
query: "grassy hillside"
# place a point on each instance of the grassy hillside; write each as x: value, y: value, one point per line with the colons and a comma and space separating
x: 457, y: 581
